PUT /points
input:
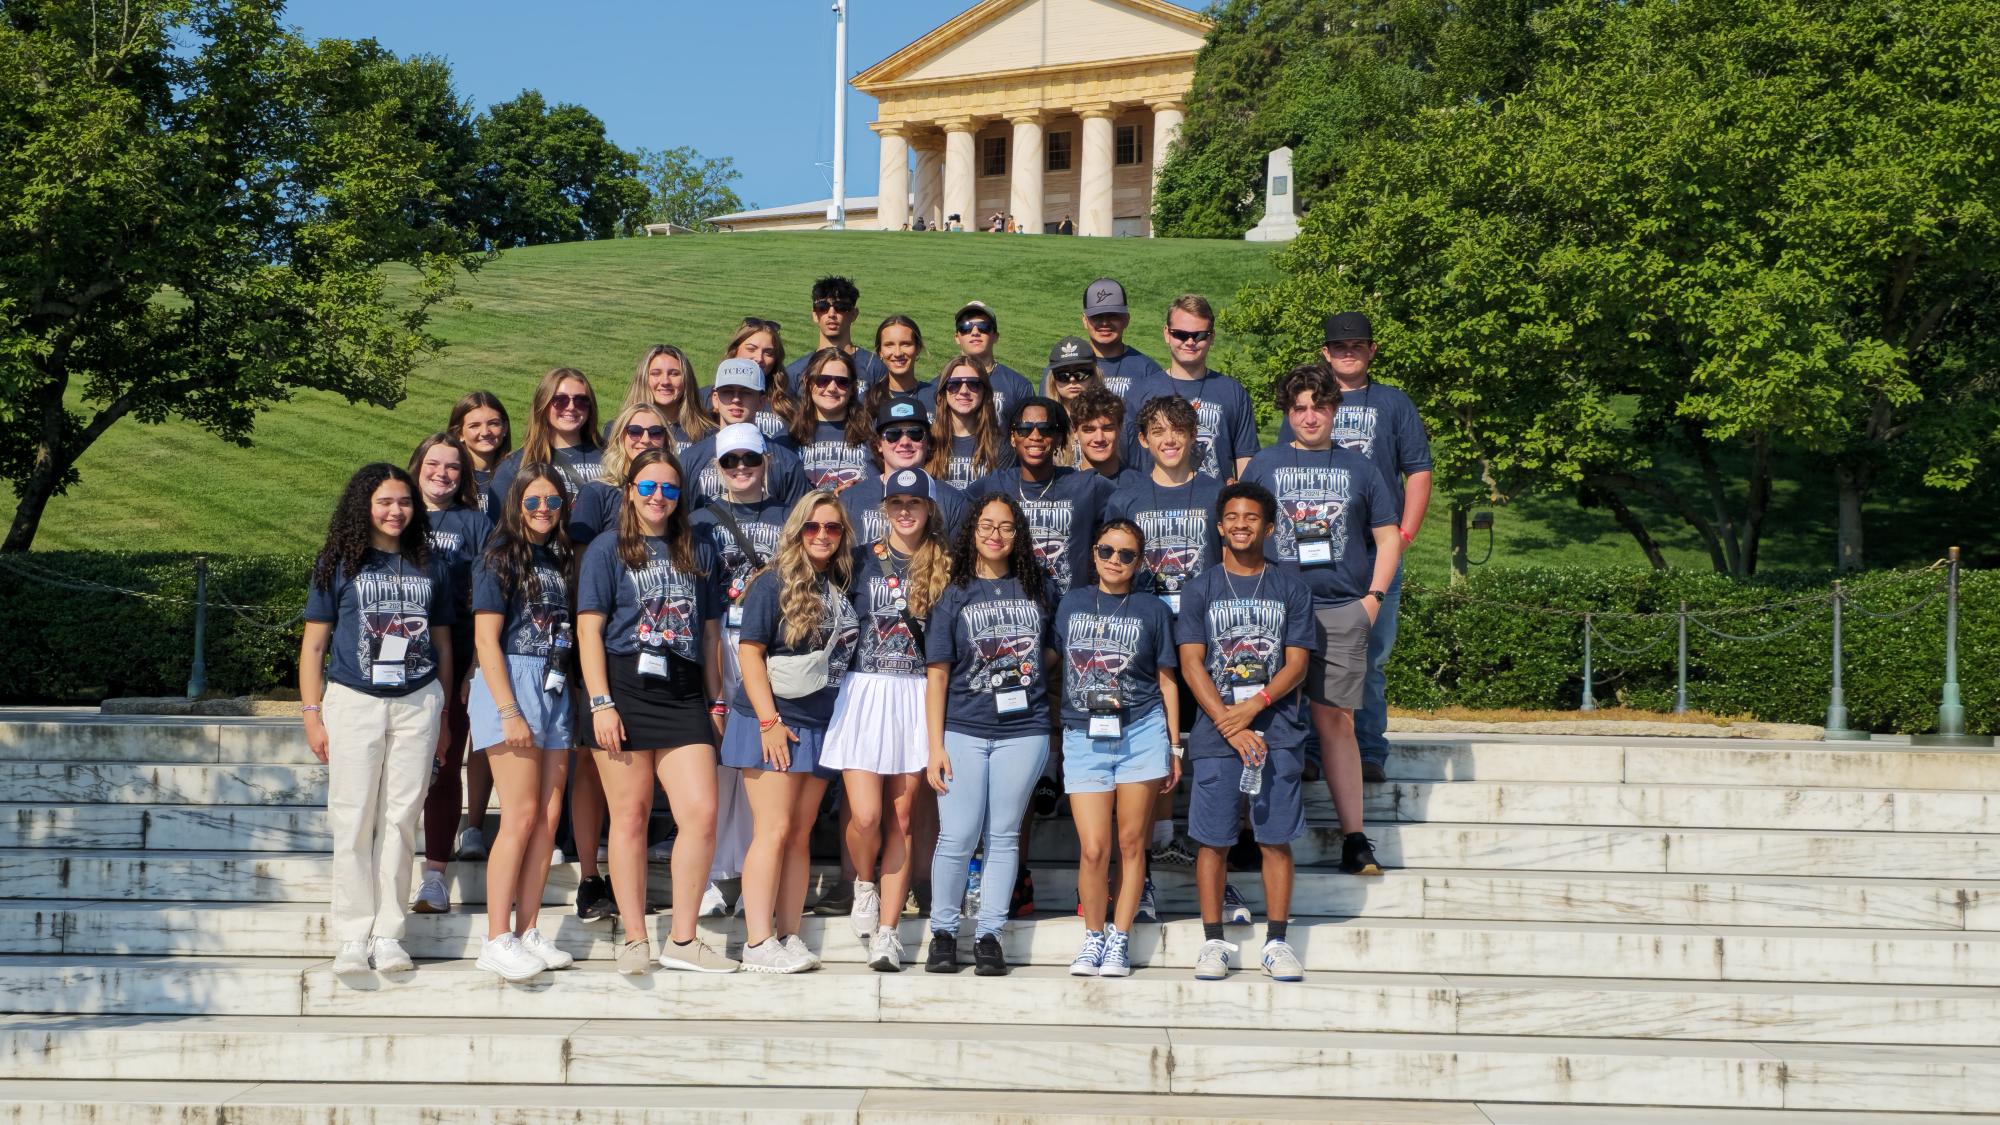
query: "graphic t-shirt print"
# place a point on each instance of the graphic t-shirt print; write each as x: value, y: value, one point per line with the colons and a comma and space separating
x: 834, y: 464
x: 1208, y: 423
x: 1312, y: 499
x: 1101, y: 648
x: 1006, y: 636
x: 1354, y: 428
x: 1174, y: 546
x: 736, y: 568
x: 1245, y: 639
x: 394, y: 605
x: 667, y: 611
x: 1049, y: 523
x: 886, y: 644
x: 545, y: 607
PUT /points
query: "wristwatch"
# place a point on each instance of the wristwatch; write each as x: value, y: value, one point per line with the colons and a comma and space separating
x: 1380, y: 596
x: 601, y: 702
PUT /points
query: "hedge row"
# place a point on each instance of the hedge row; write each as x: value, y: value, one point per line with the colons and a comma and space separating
x: 1494, y: 641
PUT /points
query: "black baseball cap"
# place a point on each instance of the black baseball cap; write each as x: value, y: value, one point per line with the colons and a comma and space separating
x: 1349, y: 326
x: 900, y: 408
x: 1072, y: 351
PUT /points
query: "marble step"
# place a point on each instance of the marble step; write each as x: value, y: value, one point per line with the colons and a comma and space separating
x: 1671, y: 806
x: 86, y: 737
x: 1470, y: 893
x: 967, y: 1056
x: 163, y: 783
x: 850, y: 993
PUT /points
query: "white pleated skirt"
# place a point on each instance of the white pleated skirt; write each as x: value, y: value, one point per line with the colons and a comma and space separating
x: 878, y: 725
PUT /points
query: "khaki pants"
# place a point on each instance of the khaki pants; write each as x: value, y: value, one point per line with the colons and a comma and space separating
x: 379, y: 752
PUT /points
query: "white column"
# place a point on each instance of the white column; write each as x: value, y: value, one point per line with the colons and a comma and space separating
x: 1093, y: 212
x: 930, y: 180
x: 961, y: 196
x: 1025, y: 196
x: 1167, y: 118
x: 892, y: 196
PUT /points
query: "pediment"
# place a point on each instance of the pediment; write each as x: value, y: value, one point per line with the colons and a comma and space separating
x: 1009, y: 35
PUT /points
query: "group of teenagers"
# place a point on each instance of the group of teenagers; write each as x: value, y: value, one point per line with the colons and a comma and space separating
x: 936, y: 596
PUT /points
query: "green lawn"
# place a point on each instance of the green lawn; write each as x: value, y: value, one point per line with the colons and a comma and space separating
x: 594, y: 306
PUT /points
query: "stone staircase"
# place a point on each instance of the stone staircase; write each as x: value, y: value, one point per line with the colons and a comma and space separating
x: 1576, y: 931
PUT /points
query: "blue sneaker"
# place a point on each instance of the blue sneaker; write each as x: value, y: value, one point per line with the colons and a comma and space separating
x: 1090, y: 957
x: 1116, y: 962
x: 1235, y: 911
x: 1149, y: 911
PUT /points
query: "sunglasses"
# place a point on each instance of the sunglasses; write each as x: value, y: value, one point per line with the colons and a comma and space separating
x: 654, y: 433
x: 953, y: 386
x: 667, y: 491
x: 760, y: 322
x: 1126, y: 555
x: 567, y: 402
x: 815, y: 527
x: 539, y: 503
x: 740, y: 460
x: 824, y: 306
x: 1075, y: 376
x: 1187, y: 336
x: 828, y: 382
x: 895, y: 434
x: 1029, y: 429
x: 968, y: 327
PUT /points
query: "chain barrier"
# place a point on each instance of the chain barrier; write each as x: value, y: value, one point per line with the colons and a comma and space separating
x: 1607, y: 642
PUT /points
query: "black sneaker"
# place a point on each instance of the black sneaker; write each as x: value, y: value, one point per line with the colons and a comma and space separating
x: 1023, y: 903
x: 1047, y: 794
x: 1372, y: 770
x: 920, y: 900
x: 987, y: 960
x: 1357, y: 856
x: 943, y: 956
x: 838, y: 901
x: 593, y: 899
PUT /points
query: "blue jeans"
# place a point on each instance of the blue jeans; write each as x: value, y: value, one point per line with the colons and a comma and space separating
x: 1371, y: 720
x: 991, y: 781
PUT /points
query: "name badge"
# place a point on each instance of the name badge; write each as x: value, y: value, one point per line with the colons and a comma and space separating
x: 1315, y: 552
x: 653, y: 662
x: 1239, y: 693
x: 1173, y: 603
x: 554, y: 682
x: 1011, y: 701
x: 387, y: 669
x: 1245, y: 683
x: 734, y: 618
x: 1106, y: 725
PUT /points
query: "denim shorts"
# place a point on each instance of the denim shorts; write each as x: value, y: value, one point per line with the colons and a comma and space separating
x: 547, y: 716
x: 1215, y: 809
x: 1100, y: 765
x: 743, y: 747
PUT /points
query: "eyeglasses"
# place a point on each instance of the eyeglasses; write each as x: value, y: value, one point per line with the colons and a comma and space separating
x: 822, y: 305
x: 567, y: 402
x: 1126, y: 555
x: 895, y: 434
x: 667, y: 491
x: 815, y: 527
x: 968, y: 327
x: 1073, y: 376
x: 540, y: 503
x: 828, y: 382
x: 742, y: 460
x: 953, y: 386
x: 1029, y: 429
x: 1006, y: 529
x: 653, y: 433
x: 1187, y: 336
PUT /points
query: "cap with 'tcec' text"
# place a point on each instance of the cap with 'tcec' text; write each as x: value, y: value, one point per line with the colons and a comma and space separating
x: 739, y: 373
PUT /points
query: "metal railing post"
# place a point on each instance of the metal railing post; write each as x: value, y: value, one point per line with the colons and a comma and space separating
x: 1951, y: 708
x: 1681, y: 661
x: 1836, y: 700
x: 1589, y: 699
x: 198, y: 674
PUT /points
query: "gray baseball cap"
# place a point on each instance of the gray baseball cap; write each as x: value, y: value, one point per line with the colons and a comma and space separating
x: 1103, y: 296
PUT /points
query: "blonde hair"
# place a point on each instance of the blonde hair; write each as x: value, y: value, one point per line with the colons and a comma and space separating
x: 930, y: 563
x: 800, y: 605
x: 694, y: 422
x: 611, y: 467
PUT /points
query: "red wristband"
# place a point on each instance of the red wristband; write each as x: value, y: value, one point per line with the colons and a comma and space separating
x: 766, y: 724
x: 1407, y: 537
x: 1266, y: 696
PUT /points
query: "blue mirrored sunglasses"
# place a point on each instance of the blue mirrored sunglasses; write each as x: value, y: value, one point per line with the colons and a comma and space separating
x: 667, y: 491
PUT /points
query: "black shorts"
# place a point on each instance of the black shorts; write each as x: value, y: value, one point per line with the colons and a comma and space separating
x: 660, y: 714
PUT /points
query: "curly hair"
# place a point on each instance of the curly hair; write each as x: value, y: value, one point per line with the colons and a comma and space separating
x: 680, y: 537
x: 510, y: 550
x: 1176, y: 411
x: 984, y: 424
x: 1096, y: 401
x: 800, y: 605
x: 1021, y: 562
x: 930, y: 563
x: 694, y: 422
x: 806, y: 419
x: 1316, y: 377
x: 350, y: 533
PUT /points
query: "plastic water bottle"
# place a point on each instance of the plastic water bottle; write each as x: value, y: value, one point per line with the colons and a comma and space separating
x: 1252, y: 781
x: 971, y: 908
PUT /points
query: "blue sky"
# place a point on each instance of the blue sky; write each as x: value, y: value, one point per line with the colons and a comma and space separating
x: 751, y: 80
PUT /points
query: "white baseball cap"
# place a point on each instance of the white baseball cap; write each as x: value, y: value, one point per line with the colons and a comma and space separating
x: 739, y: 437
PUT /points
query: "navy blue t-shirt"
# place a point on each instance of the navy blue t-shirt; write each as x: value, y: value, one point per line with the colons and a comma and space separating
x: 1381, y: 423
x: 1245, y: 624
x: 866, y: 366
x: 594, y: 511
x: 863, y: 502
x: 1225, y: 421
x: 576, y: 465
x: 1122, y: 371
x: 1112, y: 641
x: 764, y: 624
x: 830, y: 461
x: 886, y: 646
x: 657, y: 600
x: 1335, y: 489
x: 1062, y: 514
x: 458, y: 535
x: 534, y: 611
x: 784, y: 477
x: 387, y: 597
x: 482, y: 484
x: 992, y: 635
x: 962, y: 472
x: 1179, y: 523
x: 1008, y: 386
x: 760, y: 523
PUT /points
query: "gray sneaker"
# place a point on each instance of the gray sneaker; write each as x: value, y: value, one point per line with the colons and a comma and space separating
x: 694, y: 957
x: 1212, y: 962
x: 432, y: 898
x: 796, y: 946
x: 1280, y: 963
x: 388, y: 956
x: 771, y: 956
x: 886, y: 955
x: 866, y: 911
x: 635, y: 958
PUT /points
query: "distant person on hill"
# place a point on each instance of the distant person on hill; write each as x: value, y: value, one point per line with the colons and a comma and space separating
x: 835, y: 304
x: 758, y: 341
x: 1226, y: 434
x: 918, y: 223
x: 458, y: 531
x: 1067, y: 227
x: 374, y: 673
x: 479, y: 422
x: 665, y: 379
x: 976, y: 330
x: 562, y: 431
x: 1105, y: 319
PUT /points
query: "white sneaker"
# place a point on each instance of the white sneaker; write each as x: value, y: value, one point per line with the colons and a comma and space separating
x: 471, y: 843
x: 352, y: 958
x: 661, y: 852
x: 886, y: 955
x: 1212, y: 961
x: 388, y: 956
x: 432, y: 898
x: 545, y: 950
x: 713, y: 905
x: 771, y: 956
x: 508, y: 959
x: 866, y: 915
x: 796, y: 945
x: 556, y: 857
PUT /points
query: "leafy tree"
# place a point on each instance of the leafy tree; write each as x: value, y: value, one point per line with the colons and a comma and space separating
x: 195, y: 211
x: 688, y: 187
x: 548, y: 174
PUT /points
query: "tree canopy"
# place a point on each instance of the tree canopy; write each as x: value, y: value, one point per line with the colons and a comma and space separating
x: 548, y: 174
x: 687, y: 187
